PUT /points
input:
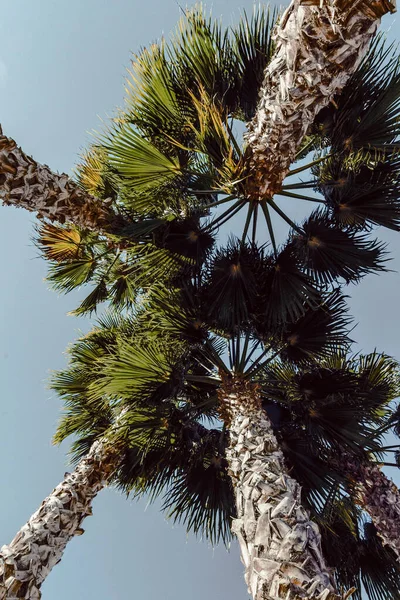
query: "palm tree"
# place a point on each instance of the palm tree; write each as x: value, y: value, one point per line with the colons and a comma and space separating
x: 161, y: 372
x: 169, y: 159
x: 291, y: 97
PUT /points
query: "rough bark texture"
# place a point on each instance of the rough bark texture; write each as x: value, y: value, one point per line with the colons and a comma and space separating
x: 30, y: 185
x: 319, y: 44
x: 281, y: 547
x: 378, y: 496
x: 39, y: 545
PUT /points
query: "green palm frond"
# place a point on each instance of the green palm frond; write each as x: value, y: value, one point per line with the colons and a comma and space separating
x: 154, y: 99
x: 137, y: 370
x: 201, y: 498
x: 214, y: 139
x: 95, y: 175
x: 352, y: 547
x: 335, y: 403
x: 230, y: 289
x: 202, y: 55
x: 172, y: 456
x: 98, y: 295
x: 67, y: 276
x: 321, y: 331
x: 141, y: 164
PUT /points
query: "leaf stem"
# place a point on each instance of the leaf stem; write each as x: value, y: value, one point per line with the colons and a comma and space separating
x: 308, y: 165
x: 300, y: 197
x: 247, y: 223
x: 284, y: 216
x: 265, y: 210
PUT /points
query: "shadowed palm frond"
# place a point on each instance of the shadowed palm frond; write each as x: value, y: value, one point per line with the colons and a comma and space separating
x: 362, y: 195
x: 254, y: 48
x: 366, y: 113
x: 329, y: 254
x: 354, y: 550
x: 318, y: 333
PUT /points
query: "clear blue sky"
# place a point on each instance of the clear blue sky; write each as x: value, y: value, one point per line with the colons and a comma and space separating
x: 62, y: 65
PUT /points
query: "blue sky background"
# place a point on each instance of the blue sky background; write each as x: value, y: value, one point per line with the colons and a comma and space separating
x: 62, y: 65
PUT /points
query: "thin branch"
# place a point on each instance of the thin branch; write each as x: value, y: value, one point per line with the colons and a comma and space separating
x: 203, y: 379
x: 300, y: 185
x: 227, y: 199
x: 258, y: 359
x: 265, y: 363
x: 243, y: 360
x: 234, y: 141
x: 306, y: 147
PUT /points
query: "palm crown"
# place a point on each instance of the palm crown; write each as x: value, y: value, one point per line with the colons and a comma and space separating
x: 177, y: 172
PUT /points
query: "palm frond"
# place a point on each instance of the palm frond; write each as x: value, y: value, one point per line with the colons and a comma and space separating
x: 253, y: 47
x: 366, y: 113
x: 59, y: 243
x: 321, y: 331
x: 67, y: 276
x: 285, y: 295
x: 139, y: 161
x: 138, y: 370
x: 361, y: 192
x: 329, y: 254
x: 95, y: 175
x: 231, y: 285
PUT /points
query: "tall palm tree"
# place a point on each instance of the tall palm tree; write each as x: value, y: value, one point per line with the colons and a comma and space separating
x: 162, y: 381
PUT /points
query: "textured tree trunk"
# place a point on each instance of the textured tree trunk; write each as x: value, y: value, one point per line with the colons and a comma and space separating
x: 39, y: 545
x: 30, y: 185
x: 377, y: 495
x: 319, y: 44
x: 280, y: 546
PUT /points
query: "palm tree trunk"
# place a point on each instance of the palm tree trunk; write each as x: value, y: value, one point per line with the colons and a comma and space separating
x: 280, y: 546
x: 30, y: 185
x: 377, y: 495
x: 40, y: 543
x: 319, y: 44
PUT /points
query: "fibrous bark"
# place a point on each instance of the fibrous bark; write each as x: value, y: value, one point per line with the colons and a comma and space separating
x: 39, y: 545
x: 27, y: 184
x: 280, y: 545
x: 377, y: 495
x: 319, y: 44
